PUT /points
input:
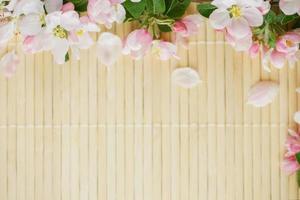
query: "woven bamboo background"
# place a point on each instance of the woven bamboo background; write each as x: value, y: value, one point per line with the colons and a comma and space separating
x: 83, y: 132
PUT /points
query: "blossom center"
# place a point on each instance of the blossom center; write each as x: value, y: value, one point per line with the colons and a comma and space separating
x: 42, y: 20
x: 235, y: 11
x: 289, y: 43
x: 60, y: 32
x: 80, y: 32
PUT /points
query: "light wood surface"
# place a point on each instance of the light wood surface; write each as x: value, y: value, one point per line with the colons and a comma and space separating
x: 81, y: 131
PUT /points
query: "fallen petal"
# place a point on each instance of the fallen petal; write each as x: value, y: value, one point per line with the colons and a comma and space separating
x: 297, y: 117
x: 109, y: 48
x: 185, y: 77
x: 8, y: 64
x: 262, y: 93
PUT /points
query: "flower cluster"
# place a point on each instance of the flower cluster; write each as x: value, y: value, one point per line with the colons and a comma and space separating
x: 64, y: 28
x: 253, y: 26
x: 291, y: 162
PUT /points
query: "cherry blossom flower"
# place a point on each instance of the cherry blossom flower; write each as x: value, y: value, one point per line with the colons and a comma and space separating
x: 254, y: 49
x: 80, y: 37
x: 239, y: 44
x: 138, y: 43
x: 58, y: 27
x: 264, y: 6
x: 164, y: 50
x: 31, y: 17
x: 290, y: 7
x: 237, y: 16
x: 106, y: 11
x: 288, y: 44
x: 8, y: 64
x: 36, y: 43
x: 287, y: 48
x: 186, y: 27
x: 290, y: 165
x: 109, y: 48
x: 292, y: 145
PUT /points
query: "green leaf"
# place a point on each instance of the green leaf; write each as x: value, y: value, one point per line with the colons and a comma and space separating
x: 270, y: 17
x: 205, y: 9
x: 156, y: 6
x: 285, y: 19
x: 135, y: 9
x: 272, y: 40
x: 298, y: 157
x: 164, y: 28
x: 67, y: 57
x: 176, y: 8
x: 80, y: 5
x: 296, y: 25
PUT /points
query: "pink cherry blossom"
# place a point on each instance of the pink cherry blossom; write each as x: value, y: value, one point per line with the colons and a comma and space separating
x: 106, y: 11
x: 290, y: 7
x: 277, y: 59
x: 138, y: 43
x: 289, y: 44
x: 290, y: 165
x: 287, y: 48
x: 264, y: 7
x: 58, y: 27
x: 8, y: 64
x: 254, y: 49
x: 164, y: 50
x: 237, y: 16
x: 67, y: 7
x: 239, y: 44
x: 292, y: 145
x: 188, y: 26
x: 33, y: 44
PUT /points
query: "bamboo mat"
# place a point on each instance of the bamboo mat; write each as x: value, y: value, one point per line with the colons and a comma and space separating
x: 83, y: 132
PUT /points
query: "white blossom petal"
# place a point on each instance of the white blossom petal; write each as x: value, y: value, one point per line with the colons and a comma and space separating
x: 185, y: 77
x: 60, y: 49
x: 109, y: 48
x: 262, y: 93
x: 70, y: 20
x: 53, y: 5
x: 219, y: 19
x: 30, y: 25
x: 7, y: 32
x: 297, y: 117
x: 8, y: 64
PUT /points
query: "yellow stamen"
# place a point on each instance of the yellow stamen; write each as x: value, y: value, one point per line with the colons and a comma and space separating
x: 235, y: 11
x: 60, y: 32
x: 289, y: 43
x: 80, y: 32
x: 156, y: 51
x: 42, y: 20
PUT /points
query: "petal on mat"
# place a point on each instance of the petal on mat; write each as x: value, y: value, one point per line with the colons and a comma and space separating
x: 185, y: 77
x: 262, y: 93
